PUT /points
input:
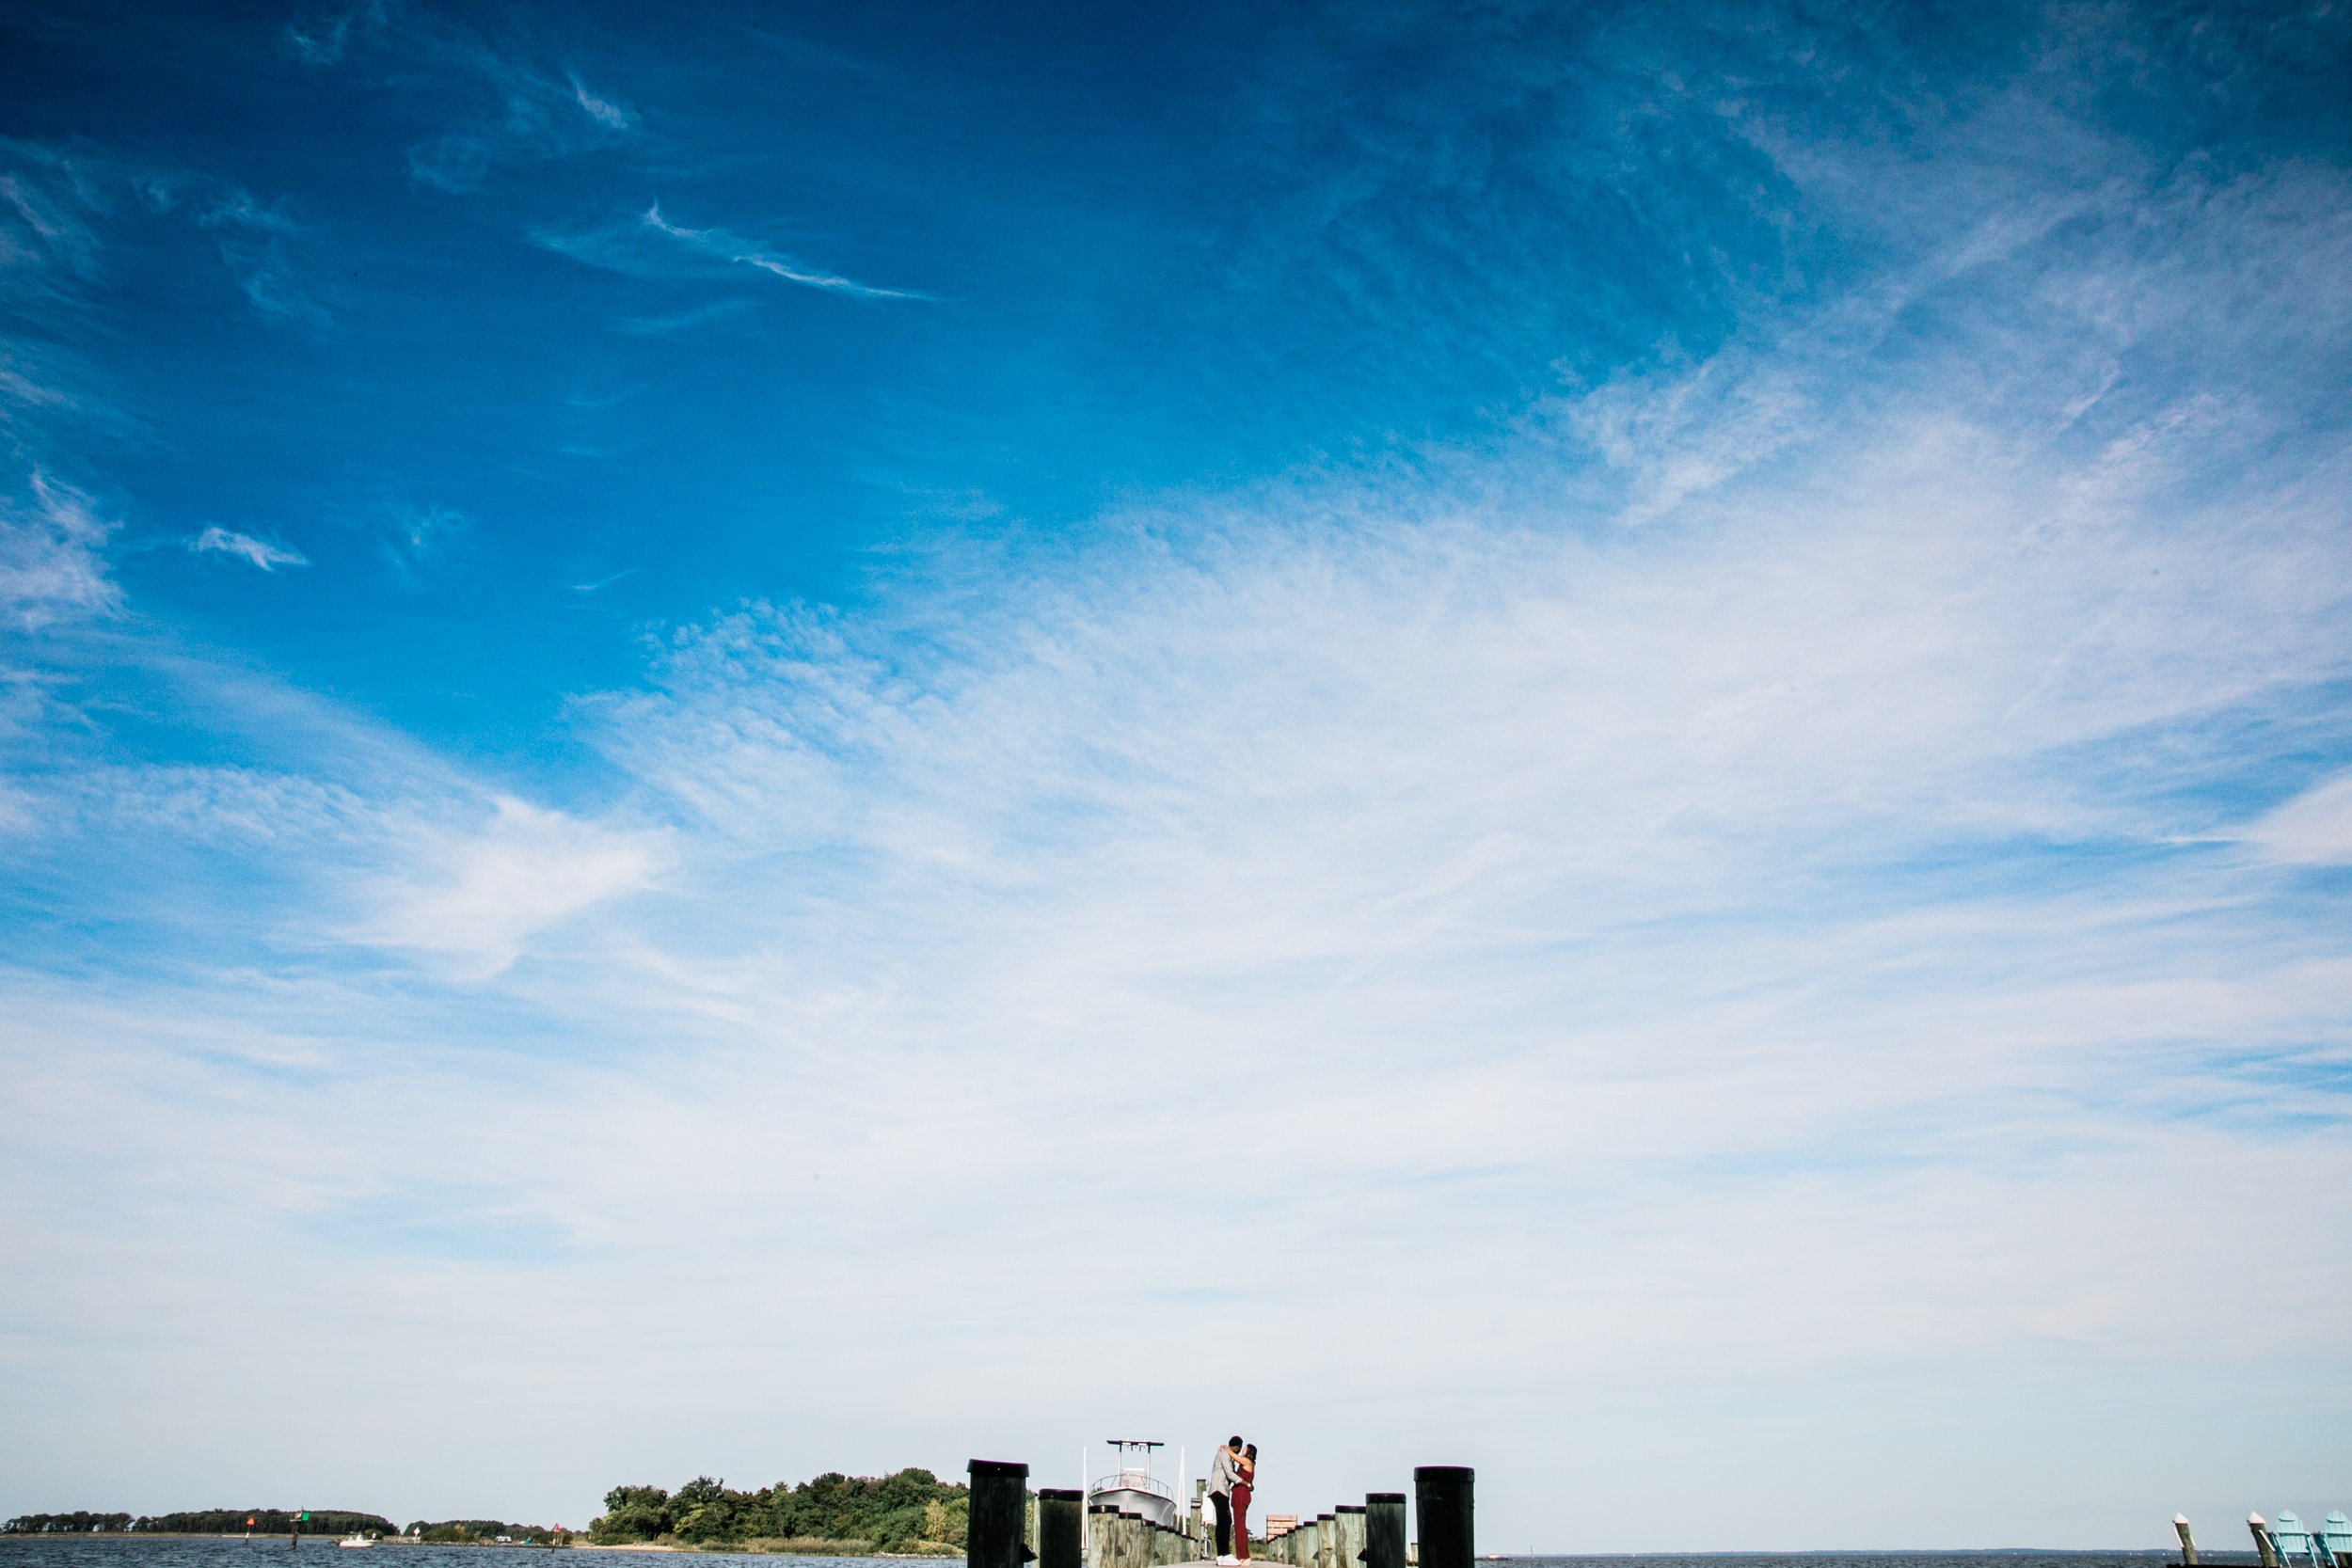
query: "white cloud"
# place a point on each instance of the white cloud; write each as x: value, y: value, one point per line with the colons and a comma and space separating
x: 475, y: 898
x: 243, y: 546
x: 719, y: 243
x: 604, y: 111
x: 52, y: 556
x: 2313, y: 829
x: 651, y: 245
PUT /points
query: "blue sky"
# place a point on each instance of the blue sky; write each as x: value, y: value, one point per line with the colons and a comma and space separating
x: 1608, y: 742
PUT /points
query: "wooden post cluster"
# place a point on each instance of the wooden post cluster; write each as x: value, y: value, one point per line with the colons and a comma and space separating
x: 1371, y: 1534
x: 1067, y: 1533
x: 1131, y: 1541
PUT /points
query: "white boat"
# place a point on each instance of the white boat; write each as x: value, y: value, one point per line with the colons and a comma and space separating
x: 1133, y: 1488
x: 355, y: 1539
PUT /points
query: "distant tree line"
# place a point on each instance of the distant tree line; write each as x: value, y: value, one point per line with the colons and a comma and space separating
x: 206, y: 1521
x: 80, y: 1522
x: 907, y: 1512
x: 462, y: 1530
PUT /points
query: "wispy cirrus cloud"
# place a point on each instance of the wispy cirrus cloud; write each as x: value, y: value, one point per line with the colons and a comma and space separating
x: 259, y: 553
x: 652, y: 245
x: 322, y: 37
x: 60, y: 210
x: 609, y: 113
x: 2312, y: 829
x: 52, y: 555
x: 523, y: 111
x: 58, y: 207
x: 256, y: 241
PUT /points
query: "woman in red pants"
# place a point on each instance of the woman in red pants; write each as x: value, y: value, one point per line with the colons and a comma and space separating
x: 1247, y: 1466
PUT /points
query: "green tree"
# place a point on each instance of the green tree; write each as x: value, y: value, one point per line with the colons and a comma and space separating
x: 633, y: 1513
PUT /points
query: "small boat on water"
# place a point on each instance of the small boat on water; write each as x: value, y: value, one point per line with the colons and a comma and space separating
x: 1133, y: 1488
x: 355, y: 1539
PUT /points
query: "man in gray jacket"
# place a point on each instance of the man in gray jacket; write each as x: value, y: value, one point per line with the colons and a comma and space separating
x: 1223, y: 1472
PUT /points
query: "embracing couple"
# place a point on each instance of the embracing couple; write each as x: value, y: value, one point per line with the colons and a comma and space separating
x: 1232, y: 1479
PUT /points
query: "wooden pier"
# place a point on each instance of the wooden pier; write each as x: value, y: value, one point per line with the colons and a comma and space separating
x: 1061, y: 1531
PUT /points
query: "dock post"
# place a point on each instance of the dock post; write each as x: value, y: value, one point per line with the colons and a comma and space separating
x: 1384, y: 1529
x: 1326, y: 1541
x: 1000, y: 1507
x: 1442, y: 1496
x: 1057, y: 1531
x: 2266, y: 1548
x: 1350, y: 1520
x: 2188, y: 1542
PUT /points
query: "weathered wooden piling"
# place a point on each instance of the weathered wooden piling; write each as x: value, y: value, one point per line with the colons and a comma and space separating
x: 1348, y: 1531
x: 1384, y: 1529
x: 2188, y: 1542
x: 1326, y: 1541
x: 1060, y: 1538
x: 1441, y: 1496
x: 1000, y: 1507
x: 2264, y: 1546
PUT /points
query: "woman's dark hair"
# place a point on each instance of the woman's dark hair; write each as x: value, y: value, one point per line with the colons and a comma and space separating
x: 1249, y: 1450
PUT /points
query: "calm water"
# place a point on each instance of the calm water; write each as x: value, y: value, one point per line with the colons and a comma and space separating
x: 70, y: 1551
x: 67, y: 1551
